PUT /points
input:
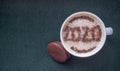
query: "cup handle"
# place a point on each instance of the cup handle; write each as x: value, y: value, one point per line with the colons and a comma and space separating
x: 109, y: 31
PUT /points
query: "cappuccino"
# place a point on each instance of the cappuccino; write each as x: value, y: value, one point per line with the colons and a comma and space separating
x: 82, y: 33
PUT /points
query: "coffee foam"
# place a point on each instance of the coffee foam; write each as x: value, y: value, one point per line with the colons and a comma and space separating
x: 81, y: 21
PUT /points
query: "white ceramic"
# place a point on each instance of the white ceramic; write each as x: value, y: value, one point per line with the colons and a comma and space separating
x: 106, y: 31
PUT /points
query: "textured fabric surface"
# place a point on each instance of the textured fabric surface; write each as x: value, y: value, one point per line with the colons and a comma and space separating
x: 27, y: 26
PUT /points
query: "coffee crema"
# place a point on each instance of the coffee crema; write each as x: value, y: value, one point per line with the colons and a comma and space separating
x: 82, y: 34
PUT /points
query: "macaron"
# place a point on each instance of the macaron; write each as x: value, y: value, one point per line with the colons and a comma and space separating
x: 68, y: 55
x: 57, y: 52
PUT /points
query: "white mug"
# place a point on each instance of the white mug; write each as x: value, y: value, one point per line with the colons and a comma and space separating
x: 106, y: 31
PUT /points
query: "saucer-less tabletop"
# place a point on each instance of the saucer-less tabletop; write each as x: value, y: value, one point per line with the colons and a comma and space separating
x: 27, y: 26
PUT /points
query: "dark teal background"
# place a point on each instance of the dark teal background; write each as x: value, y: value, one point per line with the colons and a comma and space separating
x: 27, y: 26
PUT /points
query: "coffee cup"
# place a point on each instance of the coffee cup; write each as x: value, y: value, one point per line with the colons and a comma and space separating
x: 83, y: 34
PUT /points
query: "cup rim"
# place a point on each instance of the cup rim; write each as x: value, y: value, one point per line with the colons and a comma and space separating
x: 98, y: 48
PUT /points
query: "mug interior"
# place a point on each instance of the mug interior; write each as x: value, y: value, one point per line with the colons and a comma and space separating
x: 101, y: 43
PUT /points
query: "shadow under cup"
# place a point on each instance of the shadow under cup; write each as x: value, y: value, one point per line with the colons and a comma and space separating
x: 99, y: 45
